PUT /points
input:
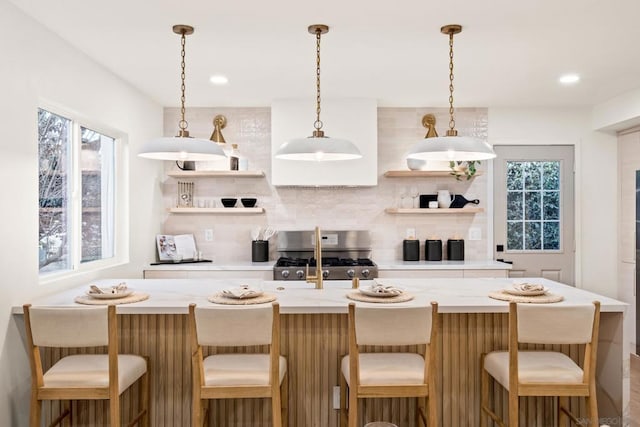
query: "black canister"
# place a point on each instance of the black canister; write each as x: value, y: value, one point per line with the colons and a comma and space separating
x: 411, y: 250
x: 260, y: 250
x: 455, y: 250
x: 433, y: 250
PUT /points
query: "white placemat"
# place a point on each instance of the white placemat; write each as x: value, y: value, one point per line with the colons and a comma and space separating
x: 537, y: 299
x: 134, y: 297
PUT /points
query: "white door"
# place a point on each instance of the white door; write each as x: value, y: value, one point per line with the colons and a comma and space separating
x: 534, y: 210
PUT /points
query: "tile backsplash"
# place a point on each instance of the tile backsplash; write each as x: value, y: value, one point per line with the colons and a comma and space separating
x: 288, y: 208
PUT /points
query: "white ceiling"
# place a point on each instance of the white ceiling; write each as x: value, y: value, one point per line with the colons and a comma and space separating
x: 510, y: 52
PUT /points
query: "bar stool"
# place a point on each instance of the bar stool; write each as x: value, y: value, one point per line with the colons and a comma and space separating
x: 82, y: 376
x: 234, y: 375
x: 377, y: 374
x: 545, y: 373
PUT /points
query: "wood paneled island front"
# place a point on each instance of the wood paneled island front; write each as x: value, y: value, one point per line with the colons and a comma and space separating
x: 314, y: 337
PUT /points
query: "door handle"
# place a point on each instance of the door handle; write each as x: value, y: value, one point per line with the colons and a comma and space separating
x: 505, y: 261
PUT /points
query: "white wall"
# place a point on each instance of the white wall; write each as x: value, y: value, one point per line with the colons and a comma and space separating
x: 38, y: 66
x: 595, y: 180
x: 337, y: 207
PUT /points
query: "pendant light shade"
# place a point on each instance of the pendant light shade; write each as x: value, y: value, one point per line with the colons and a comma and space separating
x: 318, y: 147
x: 451, y: 147
x: 182, y: 146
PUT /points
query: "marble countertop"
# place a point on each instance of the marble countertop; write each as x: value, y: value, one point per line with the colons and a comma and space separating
x: 173, y: 296
x: 382, y: 265
x: 443, y: 265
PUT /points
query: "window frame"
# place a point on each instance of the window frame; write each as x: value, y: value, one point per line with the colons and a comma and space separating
x: 561, y: 197
x: 120, y: 202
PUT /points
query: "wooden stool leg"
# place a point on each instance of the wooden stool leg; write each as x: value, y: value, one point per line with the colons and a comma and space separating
x: 563, y: 419
x: 343, y: 402
x: 196, y: 412
x: 276, y: 407
x: 513, y: 409
x: 114, y: 411
x: 144, y: 398
x: 592, y: 407
x: 284, y: 387
x: 36, y: 410
x: 484, y: 394
x: 353, y: 408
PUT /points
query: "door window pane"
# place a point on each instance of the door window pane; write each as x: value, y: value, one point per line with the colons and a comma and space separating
x: 514, y: 205
x: 54, y: 160
x: 533, y: 206
x: 97, y: 165
x: 514, y: 235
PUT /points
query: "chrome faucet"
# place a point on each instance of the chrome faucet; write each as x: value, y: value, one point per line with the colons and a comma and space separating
x: 317, y: 254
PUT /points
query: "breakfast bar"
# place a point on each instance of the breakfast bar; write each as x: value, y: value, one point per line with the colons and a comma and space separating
x: 314, y: 337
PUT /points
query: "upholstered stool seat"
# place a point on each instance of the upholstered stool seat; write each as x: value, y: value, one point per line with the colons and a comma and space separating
x: 534, y: 367
x: 387, y: 368
x: 92, y: 370
x: 240, y: 369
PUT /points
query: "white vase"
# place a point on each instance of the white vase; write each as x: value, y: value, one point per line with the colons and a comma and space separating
x: 444, y: 199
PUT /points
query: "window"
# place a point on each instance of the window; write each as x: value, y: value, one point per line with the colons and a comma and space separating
x: 533, y: 206
x: 75, y: 159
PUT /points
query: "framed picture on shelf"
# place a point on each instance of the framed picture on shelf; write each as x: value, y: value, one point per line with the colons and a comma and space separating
x: 175, y: 248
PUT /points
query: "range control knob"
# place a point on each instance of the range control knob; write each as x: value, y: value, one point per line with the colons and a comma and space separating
x: 300, y: 274
x: 365, y: 272
x: 350, y: 273
x: 325, y: 274
x: 285, y: 273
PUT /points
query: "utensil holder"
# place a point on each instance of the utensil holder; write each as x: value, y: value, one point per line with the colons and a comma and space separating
x: 455, y: 250
x: 411, y: 250
x: 433, y: 250
x: 260, y: 250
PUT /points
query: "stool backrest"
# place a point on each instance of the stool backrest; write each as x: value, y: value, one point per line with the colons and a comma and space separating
x: 393, y: 325
x: 69, y: 326
x: 234, y: 326
x: 557, y: 324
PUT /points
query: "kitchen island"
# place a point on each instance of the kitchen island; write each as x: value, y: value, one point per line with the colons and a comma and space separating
x: 314, y: 337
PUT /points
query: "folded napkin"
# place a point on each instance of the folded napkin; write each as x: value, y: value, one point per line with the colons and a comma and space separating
x: 241, y: 292
x: 115, y: 289
x: 527, y: 287
x: 383, y: 289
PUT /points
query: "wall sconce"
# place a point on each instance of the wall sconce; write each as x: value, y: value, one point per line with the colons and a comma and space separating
x: 219, y: 123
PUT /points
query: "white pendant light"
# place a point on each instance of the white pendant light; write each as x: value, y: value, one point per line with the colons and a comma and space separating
x: 181, y: 147
x: 451, y: 147
x: 318, y: 147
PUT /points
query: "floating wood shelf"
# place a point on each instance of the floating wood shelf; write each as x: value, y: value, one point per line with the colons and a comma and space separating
x: 230, y: 211
x: 425, y: 174
x: 216, y: 174
x: 434, y: 211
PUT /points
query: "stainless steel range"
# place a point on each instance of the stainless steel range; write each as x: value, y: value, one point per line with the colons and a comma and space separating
x: 345, y: 255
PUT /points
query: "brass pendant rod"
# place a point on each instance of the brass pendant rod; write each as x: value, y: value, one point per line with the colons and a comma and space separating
x: 451, y: 30
x: 183, y: 31
x: 318, y: 124
x: 318, y: 30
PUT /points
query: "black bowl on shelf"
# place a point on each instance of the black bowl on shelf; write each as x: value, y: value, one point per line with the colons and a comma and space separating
x: 228, y: 202
x: 248, y: 202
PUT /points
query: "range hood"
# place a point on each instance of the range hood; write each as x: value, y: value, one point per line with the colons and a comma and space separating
x: 354, y: 119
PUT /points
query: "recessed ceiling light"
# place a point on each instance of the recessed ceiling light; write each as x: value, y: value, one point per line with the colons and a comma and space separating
x: 219, y: 79
x: 569, y: 79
